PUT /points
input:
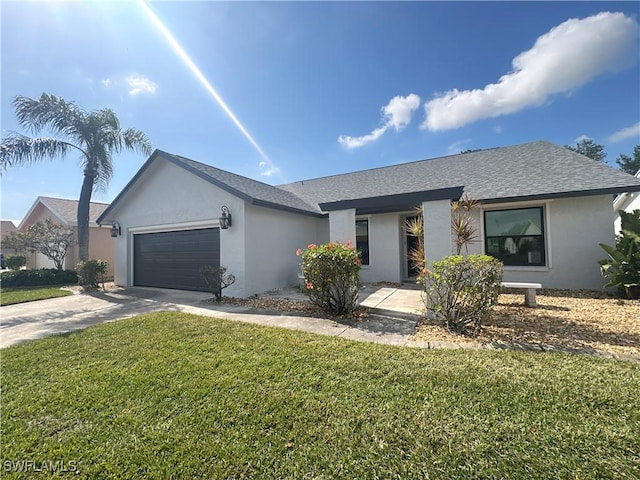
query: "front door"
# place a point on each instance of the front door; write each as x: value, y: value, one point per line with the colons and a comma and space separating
x: 411, y: 243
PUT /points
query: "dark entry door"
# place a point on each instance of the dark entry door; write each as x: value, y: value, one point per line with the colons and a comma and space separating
x: 412, y: 243
x: 174, y: 259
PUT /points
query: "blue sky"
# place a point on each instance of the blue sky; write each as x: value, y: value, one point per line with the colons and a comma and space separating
x: 322, y: 88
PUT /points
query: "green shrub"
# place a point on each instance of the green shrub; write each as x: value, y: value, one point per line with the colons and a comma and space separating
x: 91, y: 272
x: 330, y: 274
x: 15, y: 262
x: 217, y: 279
x: 622, y: 268
x: 460, y: 290
x: 34, y: 278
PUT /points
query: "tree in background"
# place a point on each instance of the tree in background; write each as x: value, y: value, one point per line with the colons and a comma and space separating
x: 589, y: 148
x: 46, y: 237
x: 95, y: 135
x: 630, y: 164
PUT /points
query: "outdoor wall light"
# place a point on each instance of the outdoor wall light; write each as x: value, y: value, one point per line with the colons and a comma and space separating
x: 225, y: 219
x: 115, y: 229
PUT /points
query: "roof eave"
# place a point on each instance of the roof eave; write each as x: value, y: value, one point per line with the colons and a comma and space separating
x: 571, y: 194
x: 393, y: 203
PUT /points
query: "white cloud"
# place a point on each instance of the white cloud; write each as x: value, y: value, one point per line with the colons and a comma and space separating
x: 582, y: 138
x: 268, y: 169
x: 140, y: 84
x: 395, y: 114
x: 106, y: 82
x: 629, y: 132
x: 566, y: 57
x: 498, y: 129
x: 456, y: 147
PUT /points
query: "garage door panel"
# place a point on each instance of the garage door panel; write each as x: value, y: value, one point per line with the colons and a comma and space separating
x: 174, y: 259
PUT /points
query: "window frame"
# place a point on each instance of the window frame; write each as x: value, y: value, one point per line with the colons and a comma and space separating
x: 544, y: 263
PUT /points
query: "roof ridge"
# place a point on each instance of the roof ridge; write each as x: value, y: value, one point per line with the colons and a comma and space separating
x: 411, y: 162
x: 70, y: 199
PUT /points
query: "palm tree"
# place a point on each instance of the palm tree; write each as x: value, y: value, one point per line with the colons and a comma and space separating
x: 96, y: 135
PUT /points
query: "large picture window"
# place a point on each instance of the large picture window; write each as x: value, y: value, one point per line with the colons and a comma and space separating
x: 515, y: 237
x: 362, y: 240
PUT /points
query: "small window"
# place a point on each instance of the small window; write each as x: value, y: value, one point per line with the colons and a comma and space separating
x: 515, y: 237
x: 362, y: 240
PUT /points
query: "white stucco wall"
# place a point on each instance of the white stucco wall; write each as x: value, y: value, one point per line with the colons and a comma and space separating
x: 272, y: 238
x: 342, y: 226
x: 385, y: 249
x: 573, y: 229
x: 437, y: 229
x: 168, y: 198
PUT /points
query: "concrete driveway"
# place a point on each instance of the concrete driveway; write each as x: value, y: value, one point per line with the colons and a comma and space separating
x: 28, y: 321
x: 32, y: 320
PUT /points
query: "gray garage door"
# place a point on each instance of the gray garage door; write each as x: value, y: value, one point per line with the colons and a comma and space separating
x: 174, y: 259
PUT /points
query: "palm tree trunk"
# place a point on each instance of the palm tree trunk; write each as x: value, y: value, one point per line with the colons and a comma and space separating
x: 83, y: 216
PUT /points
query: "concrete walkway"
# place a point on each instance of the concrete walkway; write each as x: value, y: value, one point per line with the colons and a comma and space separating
x: 392, y: 318
x: 394, y: 313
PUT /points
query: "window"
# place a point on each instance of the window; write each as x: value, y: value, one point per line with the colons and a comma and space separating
x: 362, y: 240
x: 515, y: 237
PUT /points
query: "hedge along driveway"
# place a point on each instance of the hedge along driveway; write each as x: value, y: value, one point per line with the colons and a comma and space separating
x: 43, y: 276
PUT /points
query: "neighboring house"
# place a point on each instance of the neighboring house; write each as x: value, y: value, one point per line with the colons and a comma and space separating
x: 544, y: 210
x: 628, y: 202
x: 6, y: 227
x: 65, y: 212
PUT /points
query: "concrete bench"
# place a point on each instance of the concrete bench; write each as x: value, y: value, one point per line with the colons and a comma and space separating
x: 529, y: 291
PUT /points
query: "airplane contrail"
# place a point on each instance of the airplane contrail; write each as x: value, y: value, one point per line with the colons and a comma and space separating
x: 184, y: 56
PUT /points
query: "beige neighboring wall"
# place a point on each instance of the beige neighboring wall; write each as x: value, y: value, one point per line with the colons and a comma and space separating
x: 101, y: 246
x: 100, y: 243
x: 6, y: 227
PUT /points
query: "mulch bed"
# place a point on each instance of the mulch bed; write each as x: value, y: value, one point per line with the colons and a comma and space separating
x: 575, y: 319
x: 582, y: 319
x: 563, y: 318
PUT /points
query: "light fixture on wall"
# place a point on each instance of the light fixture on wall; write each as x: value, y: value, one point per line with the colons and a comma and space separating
x: 225, y: 218
x: 115, y: 229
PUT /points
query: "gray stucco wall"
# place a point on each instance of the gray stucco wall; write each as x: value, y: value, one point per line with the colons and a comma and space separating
x: 272, y: 238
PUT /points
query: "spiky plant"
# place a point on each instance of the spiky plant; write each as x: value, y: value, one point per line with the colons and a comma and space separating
x: 463, y: 226
x: 414, y: 226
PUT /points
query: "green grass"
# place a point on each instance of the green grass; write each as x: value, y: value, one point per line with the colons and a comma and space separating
x: 9, y: 296
x: 179, y: 396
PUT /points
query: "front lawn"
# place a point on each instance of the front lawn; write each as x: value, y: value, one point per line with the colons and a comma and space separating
x: 9, y: 296
x: 173, y: 395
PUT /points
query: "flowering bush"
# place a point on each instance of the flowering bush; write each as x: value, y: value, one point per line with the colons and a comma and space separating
x: 330, y: 274
x: 460, y: 290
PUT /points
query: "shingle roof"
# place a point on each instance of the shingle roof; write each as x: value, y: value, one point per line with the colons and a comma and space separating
x: 6, y: 226
x: 67, y: 210
x: 521, y: 172
x: 531, y: 170
x: 251, y: 190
